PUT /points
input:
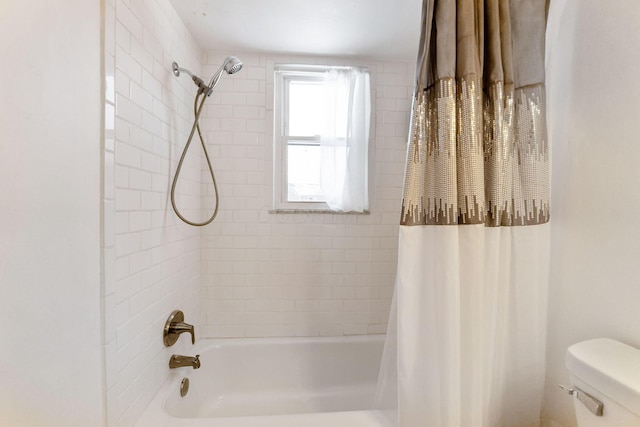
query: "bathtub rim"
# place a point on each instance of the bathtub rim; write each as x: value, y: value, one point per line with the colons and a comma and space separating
x: 220, y: 342
x: 155, y: 413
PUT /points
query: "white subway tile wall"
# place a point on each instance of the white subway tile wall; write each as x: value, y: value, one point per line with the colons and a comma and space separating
x: 273, y: 274
x: 151, y: 261
x: 251, y: 272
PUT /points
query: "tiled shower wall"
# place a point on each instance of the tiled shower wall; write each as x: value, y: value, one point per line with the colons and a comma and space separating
x: 151, y: 260
x: 297, y: 274
x: 251, y: 272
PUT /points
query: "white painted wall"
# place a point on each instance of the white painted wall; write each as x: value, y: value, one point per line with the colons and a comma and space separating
x: 594, y: 111
x: 51, y: 355
x: 298, y: 274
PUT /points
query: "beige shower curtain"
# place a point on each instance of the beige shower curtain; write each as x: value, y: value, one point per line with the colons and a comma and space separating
x: 467, y: 336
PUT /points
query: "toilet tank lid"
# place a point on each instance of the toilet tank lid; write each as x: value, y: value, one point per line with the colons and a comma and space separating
x: 609, y: 366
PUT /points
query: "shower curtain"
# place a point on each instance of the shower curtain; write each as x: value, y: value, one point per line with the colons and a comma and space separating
x: 466, y: 336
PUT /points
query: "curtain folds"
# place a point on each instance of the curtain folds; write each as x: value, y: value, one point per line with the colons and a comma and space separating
x: 478, y: 152
x: 466, y: 338
x: 344, y: 140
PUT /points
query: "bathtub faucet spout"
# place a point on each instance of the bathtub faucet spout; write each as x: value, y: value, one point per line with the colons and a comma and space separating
x: 178, y: 361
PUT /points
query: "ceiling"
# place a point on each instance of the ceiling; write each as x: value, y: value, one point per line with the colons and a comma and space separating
x: 384, y: 29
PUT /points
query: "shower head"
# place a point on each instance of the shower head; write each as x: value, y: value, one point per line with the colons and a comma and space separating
x: 232, y: 65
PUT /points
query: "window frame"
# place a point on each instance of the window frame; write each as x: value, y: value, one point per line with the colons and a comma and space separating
x: 283, y: 76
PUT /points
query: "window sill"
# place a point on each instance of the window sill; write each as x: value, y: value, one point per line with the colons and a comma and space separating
x: 314, y: 211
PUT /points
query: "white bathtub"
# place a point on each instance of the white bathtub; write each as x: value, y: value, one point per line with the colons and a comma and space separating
x: 274, y: 382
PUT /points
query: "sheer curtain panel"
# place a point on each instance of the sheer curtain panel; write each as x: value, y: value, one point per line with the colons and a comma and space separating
x: 344, y: 139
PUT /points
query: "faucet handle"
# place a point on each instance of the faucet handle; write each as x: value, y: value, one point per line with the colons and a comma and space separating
x: 179, y: 328
x: 174, y: 326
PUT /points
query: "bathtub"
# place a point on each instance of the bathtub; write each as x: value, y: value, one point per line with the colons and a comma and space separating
x: 274, y: 382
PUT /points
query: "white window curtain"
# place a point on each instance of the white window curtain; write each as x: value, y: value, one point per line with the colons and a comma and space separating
x: 345, y: 140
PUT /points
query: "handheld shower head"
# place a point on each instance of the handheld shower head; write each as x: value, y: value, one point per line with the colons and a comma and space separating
x: 232, y: 65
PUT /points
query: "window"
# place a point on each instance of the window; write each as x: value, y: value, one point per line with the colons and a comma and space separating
x: 321, y: 134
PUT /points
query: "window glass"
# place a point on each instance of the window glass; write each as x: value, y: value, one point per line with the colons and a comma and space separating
x: 305, y: 107
x: 303, y: 172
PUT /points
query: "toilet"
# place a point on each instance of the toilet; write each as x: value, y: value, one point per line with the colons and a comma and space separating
x: 605, y: 383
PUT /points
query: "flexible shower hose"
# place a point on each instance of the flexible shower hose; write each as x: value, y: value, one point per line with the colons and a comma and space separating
x: 197, y: 109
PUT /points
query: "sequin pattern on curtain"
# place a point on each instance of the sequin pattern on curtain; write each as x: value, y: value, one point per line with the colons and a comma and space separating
x: 473, y: 161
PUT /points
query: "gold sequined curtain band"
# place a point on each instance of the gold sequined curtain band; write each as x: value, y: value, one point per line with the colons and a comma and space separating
x: 477, y: 157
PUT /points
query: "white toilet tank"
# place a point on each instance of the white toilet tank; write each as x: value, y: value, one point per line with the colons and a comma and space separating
x: 608, y: 372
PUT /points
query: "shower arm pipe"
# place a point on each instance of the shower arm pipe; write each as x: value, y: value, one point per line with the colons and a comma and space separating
x: 202, y: 88
x: 196, y: 126
x: 177, y: 70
